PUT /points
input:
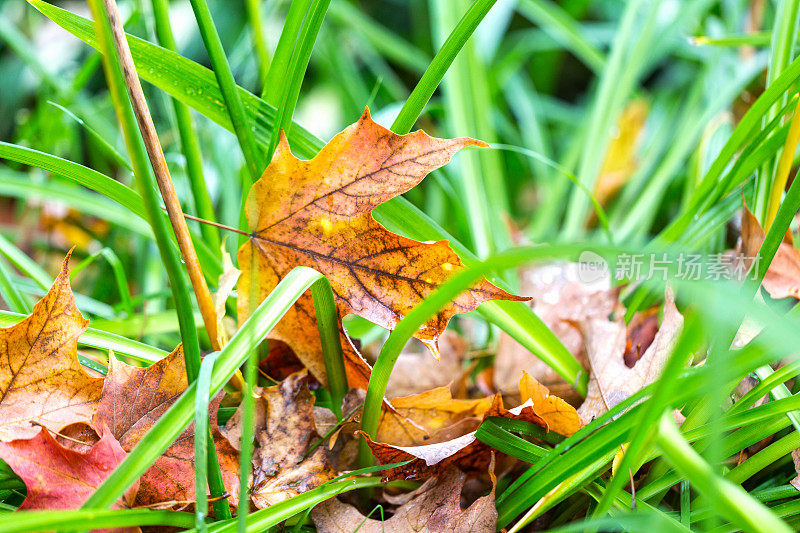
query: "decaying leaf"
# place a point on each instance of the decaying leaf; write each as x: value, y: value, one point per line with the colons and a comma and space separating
x: 61, y: 478
x: 41, y: 380
x: 560, y: 299
x: 464, y: 451
x: 280, y: 468
x: 611, y: 380
x: 783, y: 275
x: 436, y: 509
x: 317, y: 213
x: 133, y: 400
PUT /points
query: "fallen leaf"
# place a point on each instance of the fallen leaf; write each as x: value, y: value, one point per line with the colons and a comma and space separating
x: 60, y: 478
x: 280, y: 466
x: 434, y: 510
x: 782, y: 279
x: 795, y: 481
x: 464, y: 451
x: 417, y: 371
x: 611, y: 380
x: 559, y: 416
x: 560, y: 299
x: 317, y: 213
x: 41, y: 380
x: 415, y: 419
x: 133, y: 399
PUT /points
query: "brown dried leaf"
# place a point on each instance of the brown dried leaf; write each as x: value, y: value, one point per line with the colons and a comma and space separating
x: 560, y: 299
x: 134, y: 398
x: 421, y: 418
x: 610, y: 380
x: 41, y: 380
x: 434, y: 510
x: 59, y: 477
x: 783, y: 275
x: 317, y: 213
x: 464, y: 451
x: 280, y: 470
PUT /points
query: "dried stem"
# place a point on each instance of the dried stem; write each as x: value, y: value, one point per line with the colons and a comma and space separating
x: 159, y: 164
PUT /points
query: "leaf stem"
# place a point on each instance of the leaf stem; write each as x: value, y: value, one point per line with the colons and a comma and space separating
x: 190, y: 143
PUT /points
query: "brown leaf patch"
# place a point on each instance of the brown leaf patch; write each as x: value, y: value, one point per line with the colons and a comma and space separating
x: 782, y: 279
x: 41, y: 380
x: 611, y: 381
x: 434, y: 510
x: 280, y: 468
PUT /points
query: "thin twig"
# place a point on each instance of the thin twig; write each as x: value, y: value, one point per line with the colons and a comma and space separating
x: 159, y: 164
x: 215, y: 224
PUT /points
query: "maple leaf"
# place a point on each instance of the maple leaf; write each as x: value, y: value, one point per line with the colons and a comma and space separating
x: 317, y: 213
x: 41, y: 380
x: 783, y: 275
x: 284, y: 435
x: 611, y: 380
x: 61, y: 478
x: 435, y: 507
x: 133, y: 399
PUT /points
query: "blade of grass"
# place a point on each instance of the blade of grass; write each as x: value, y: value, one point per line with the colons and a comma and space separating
x: 279, y: 66
x: 293, y: 80
x: 201, y: 440
x: 116, y: 268
x: 26, y: 521
x: 433, y: 75
x: 227, y: 85
x: 728, y: 499
x: 253, y: 10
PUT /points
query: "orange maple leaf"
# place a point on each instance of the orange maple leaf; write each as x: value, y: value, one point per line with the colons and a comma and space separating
x: 41, y: 380
x: 317, y: 213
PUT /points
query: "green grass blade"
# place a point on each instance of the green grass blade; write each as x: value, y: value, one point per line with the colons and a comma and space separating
x: 27, y: 521
x: 729, y: 500
x: 433, y: 75
x: 233, y: 103
x: 283, y: 51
